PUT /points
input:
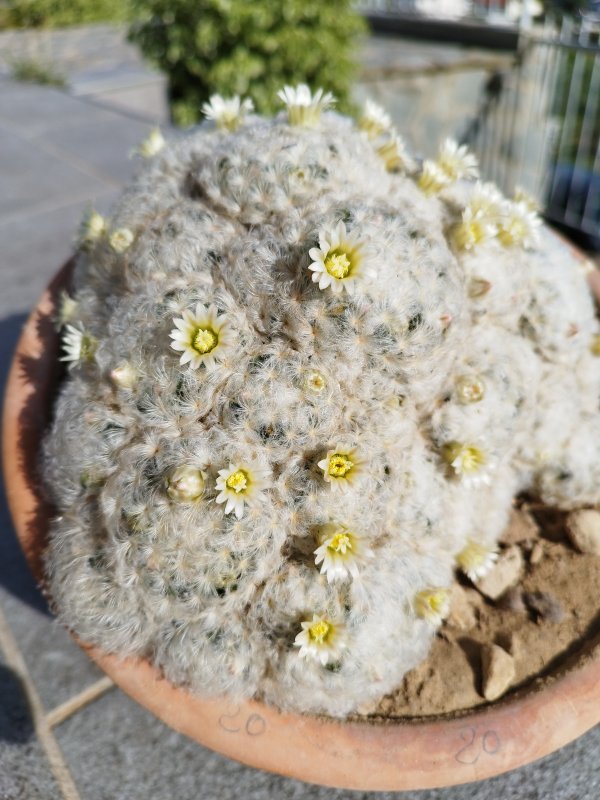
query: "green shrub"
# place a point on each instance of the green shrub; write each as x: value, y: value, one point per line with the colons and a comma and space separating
x: 247, y: 48
x: 59, y: 13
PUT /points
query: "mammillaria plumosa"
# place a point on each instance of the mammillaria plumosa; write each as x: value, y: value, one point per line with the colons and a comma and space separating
x: 307, y: 374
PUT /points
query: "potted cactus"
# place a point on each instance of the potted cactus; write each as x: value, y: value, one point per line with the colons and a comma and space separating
x: 306, y: 375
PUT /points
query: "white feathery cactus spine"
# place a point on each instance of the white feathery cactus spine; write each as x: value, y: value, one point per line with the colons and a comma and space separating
x: 306, y: 377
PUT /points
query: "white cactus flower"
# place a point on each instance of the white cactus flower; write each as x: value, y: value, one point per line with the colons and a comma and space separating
x: 481, y: 218
x: 303, y: 107
x: 78, y: 345
x: 374, y: 120
x: 395, y: 155
x: 203, y: 336
x: 476, y: 559
x: 341, y: 552
x: 240, y: 484
x: 433, y: 178
x: 152, y: 144
x: 519, y: 225
x: 321, y: 640
x: 523, y: 196
x: 341, y: 466
x: 469, y: 462
x: 227, y: 113
x: 432, y: 604
x: 66, y: 311
x: 456, y: 161
x: 341, y: 261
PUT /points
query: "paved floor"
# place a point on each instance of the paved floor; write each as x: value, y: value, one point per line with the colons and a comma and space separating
x: 65, y: 731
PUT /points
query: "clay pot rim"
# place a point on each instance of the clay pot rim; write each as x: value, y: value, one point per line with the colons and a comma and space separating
x: 371, y: 754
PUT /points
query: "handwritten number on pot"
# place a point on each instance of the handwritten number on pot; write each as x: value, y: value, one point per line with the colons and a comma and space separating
x: 476, y: 743
x: 254, y: 725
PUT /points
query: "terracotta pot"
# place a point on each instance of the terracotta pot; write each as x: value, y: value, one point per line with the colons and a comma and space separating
x: 368, y: 755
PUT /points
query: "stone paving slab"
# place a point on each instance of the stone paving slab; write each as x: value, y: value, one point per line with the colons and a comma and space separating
x: 31, y: 110
x: 24, y: 771
x: 28, y: 261
x: 110, y: 156
x: 33, y: 177
x: 112, y: 749
x: 146, y: 100
x: 58, y: 667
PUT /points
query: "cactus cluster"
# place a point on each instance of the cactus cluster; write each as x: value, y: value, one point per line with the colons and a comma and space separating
x: 308, y: 373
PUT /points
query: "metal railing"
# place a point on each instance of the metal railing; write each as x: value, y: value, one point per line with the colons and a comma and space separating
x: 538, y: 124
x: 492, y: 11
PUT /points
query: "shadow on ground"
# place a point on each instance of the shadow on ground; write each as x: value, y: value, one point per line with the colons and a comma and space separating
x: 16, y: 724
x: 15, y: 576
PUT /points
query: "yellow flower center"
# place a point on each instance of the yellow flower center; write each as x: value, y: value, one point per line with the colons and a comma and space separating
x: 315, y: 382
x: 470, y: 233
x: 372, y: 127
x: 320, y: 631
x: 512, y: 233
x: 338, y: 264
x: 464, y: 458
x: 204, y: 340
x: 391, y: 156
x: 238, y: 481
x: 437, y: 601
x: 88, y: 347
x: 341, y: 542
x: 471, y: 459
x: 432, y: 604
x: 229, y: 120
x: 595, y: 345
x: 339, y: 465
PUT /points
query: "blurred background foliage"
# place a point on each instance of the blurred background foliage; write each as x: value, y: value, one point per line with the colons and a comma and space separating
x: 59, y: 13
x: 251, y: 48
x: 246, y: 47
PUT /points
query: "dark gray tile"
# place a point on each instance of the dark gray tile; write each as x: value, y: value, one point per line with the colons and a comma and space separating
x: 103, y: 141
x: 24, y: 772
x: 146, y: 101
x: 31, y: 110
x: 33, y: 247
x: 58, y: 667
x: 32, y: 178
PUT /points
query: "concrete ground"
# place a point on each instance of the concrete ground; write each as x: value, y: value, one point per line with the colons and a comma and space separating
x: 65, y: 731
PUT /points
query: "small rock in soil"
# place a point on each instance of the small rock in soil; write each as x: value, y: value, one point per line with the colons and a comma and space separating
x: 498, y: 671
x: 537, y: 553
x: 515, y: 647
x: 462, y: 611
x: 511, y: 642
x: 583, y: 528
x: 512, y: 600
x: 506, y: 572
x: 521, y: 527
x: 545, y: 606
